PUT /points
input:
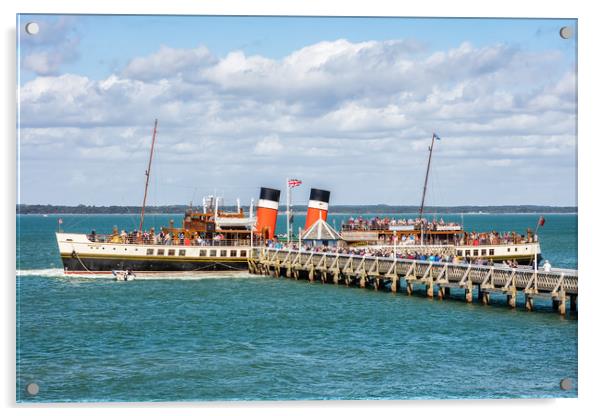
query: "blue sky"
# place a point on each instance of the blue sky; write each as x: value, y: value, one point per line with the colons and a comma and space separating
x: 347, y: 104
x: 275, y: 37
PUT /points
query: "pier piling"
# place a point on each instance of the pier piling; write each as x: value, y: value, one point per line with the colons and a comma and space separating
x: 511, y: 298
x: 573, y: 306
x: 386, y: 273
x: 528, y: 302
x: 395, y: 282
x: 559, y: 305
x: 484, y: 297
x: 429, y: 288
x: 469, y: 291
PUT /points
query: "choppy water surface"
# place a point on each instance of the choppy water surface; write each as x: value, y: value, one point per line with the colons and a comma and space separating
x: 256, y: 338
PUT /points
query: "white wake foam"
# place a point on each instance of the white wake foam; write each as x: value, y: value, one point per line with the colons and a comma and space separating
x: 139, y: 276
x: 41, y: 272
x: 56, y: 273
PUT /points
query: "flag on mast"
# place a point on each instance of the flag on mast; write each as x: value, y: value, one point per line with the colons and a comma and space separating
x: 542, y: 221
x: 294, y: 182
x: 436, y: 137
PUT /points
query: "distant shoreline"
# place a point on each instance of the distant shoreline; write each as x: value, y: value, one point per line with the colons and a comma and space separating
x: 26, y: 209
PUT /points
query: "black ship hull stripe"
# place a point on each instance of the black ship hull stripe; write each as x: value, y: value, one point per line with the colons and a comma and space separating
x: 107, y: 265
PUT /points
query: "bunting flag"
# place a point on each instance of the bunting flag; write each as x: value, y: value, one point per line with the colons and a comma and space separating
x: 542, y: 221
x: 294, y: 182
x: 60, y: 221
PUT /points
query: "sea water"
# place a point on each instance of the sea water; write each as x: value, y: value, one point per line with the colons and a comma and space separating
x: 243, y: 337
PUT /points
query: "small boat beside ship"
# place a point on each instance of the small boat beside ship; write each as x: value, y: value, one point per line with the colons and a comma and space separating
x: 124, y: 275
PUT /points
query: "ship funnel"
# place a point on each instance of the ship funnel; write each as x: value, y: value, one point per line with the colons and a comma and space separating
x: 267, y: 212
x: 317, y: 208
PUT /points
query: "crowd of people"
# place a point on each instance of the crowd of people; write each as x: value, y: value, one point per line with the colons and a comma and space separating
x: 384, y: 223
x: 466, y: 238
x: 164, y: 237
x: 496, y: 238
x: 388, y: 252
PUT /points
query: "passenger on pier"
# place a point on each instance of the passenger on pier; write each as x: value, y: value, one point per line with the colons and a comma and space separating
x: 547, y: 267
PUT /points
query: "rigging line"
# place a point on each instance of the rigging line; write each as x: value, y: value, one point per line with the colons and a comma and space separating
x: 136, y: 150
x: 435, y: 192
x: 227, y: 265
x: 72, y: 224
x: 199, y: 269
x: 155, y: 181
x: 80, y: 261
x: 147, y: 174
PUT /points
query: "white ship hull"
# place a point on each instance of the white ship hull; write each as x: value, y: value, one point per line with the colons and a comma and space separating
x: 80, y: 255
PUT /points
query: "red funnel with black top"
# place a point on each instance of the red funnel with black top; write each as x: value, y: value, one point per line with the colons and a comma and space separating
x: 267, y: 212
x: 317, y: 207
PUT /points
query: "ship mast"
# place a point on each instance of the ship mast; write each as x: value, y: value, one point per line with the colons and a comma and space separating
x: 147, y: 173
x: 426, y: 178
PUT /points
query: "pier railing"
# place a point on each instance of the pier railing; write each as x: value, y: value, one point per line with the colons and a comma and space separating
x: 388, y: 272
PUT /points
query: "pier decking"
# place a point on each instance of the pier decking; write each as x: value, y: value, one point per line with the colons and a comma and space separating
x: 388, y: 273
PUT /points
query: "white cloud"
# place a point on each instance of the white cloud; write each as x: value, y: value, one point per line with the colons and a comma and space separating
x: 348, y: 109
x: 270, y: 145
x: 169, y: 63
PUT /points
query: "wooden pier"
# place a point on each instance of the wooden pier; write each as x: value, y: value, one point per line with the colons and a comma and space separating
x: 437, y: 278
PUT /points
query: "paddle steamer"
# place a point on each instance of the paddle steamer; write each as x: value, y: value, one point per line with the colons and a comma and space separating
x: 420, y: 235
x: 209, y: 240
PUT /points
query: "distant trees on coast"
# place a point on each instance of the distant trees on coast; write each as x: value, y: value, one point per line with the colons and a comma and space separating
x: 334, y: 209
